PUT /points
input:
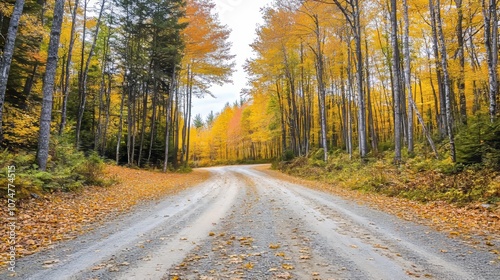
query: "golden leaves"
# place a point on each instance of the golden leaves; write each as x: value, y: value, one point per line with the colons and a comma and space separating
x: 274, y: 246
x: 63, y: 216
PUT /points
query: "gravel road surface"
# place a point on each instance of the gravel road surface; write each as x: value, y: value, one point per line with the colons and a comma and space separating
x: 243, y: 224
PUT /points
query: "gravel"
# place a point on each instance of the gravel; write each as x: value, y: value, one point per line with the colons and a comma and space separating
x: 242, y: 224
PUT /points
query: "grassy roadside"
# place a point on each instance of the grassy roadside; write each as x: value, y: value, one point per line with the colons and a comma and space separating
x: 418, y: 179
x: 65, y: 215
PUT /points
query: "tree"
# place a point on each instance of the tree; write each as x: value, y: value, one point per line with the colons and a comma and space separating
x: 206, y: 61
x: 411, y: 101
x: 48, y: 86
x: 446, y: 79
x: 398, y: 102
x: 6, y: 58
x: 84, y: 70
x: 490, y: 14
x: 351, y: 9
x: 198, y: 121
x: 65, y: 90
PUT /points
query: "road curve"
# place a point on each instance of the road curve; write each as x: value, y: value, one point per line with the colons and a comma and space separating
x: 243, y: 224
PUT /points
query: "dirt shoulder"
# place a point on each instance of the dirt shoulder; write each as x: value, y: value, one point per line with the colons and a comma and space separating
x: 476, y: 225
x: 63, y: 216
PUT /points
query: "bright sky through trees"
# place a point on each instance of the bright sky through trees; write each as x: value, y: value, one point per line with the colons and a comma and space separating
x: 242, y: 18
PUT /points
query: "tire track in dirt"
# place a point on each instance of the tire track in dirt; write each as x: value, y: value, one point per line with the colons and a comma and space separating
x: 243, y: 224
x: 369, y: 250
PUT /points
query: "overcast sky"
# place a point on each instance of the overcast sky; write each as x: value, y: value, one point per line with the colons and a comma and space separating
x: 242, y: 17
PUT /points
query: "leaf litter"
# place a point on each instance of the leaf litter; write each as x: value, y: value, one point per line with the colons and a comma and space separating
x: 63, y: 216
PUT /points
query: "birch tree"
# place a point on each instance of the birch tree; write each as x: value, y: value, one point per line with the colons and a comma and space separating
x: 491, y: 44
x: 446, y: 79
x: 6, y: 58
x: 398, y: 118
x: 48, y: 86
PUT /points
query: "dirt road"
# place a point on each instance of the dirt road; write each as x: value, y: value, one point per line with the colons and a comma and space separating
x: 242, y: 224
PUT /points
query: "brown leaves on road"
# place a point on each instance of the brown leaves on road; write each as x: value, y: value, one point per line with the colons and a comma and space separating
x: 63, y: 216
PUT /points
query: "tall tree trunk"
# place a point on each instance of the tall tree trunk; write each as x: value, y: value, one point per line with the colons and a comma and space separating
x: 442, y: 95
x: 120, y: 129
x: 84, y: 75
x: 446, y: 77
x: 169, y: 104
x: 396, y: 84
x: 411, y: 101
x: 371, y: 124
x: 143, y: 123
x: 188, y: 120
x: 107, y: 117
x: 65, y: 90
x: 153, y: 121
x: 320, y: 72
x: 282, y: 119
x: 349, y: 103
x: 6, y: 58
x: 48, y: 86
x: 461, y: 58
x: 491, y: 43
x: 363, y: 146
x: 80, y: 73
x: 407, y: 74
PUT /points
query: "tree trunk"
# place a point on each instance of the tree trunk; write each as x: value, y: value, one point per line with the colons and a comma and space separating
x: 6, y: 58
x: 461, y: 58
x: 48, y: 86
x: 188, y: 120
x: 371, y: 124
x: 169, y: 104
x: 407, y: 75
x: 442, y: 95
x: 411, y: 102
x: 491, y: 44
x: 396, y: 84
x: 321, y: 89
x: 84, y: 75
x: 120, y: 129
x: 153, y: 121
x: 143, y: 123
x: 446, y: 77
x: 106, y: 120
x: 363, y: 146
x: 65, y: 91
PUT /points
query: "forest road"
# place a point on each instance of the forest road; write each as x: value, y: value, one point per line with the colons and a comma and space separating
x: 243, y: 224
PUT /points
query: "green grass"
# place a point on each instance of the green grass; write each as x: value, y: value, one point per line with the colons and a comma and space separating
x: 419, y: 178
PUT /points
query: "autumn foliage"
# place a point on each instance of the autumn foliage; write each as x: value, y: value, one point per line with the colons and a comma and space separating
x: 62, y: 216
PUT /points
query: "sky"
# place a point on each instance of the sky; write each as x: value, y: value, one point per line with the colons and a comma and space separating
x: 242, y: 17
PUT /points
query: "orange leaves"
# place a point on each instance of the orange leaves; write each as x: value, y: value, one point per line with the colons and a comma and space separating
x: 206, y: 55
x: 63, y: 216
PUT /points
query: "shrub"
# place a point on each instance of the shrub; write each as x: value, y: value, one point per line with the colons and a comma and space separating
x: 479, y: 142
x: 91, y: 170
x: 67, y: 170
x: 288, y: 155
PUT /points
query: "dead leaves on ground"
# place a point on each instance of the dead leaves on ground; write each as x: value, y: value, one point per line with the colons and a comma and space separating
x: 63, y: 216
